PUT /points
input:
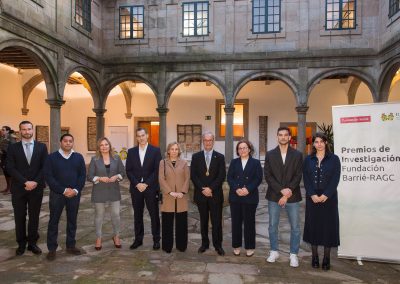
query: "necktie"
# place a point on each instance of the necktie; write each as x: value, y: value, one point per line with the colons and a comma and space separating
x: 28, y: 152
x: 208, y: 160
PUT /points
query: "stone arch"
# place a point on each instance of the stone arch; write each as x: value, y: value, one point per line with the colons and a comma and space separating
x: 386, y: 77
x: 92, y: 80
x: 364, y: 77
x: 109, y: 85
x: 274, y: 74
x: 41, y: 60
x: 175, y: 83
x: 27, y: 89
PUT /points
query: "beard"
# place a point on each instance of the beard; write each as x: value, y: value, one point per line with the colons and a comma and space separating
x: 27, y: 136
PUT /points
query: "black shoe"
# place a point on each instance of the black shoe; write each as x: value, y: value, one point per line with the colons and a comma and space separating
x: 75, y: 251
x: 20, y: 250
x: 35, y: 249
x: 220, y: 251
x: 315, y: 261
x: 135, y: 245
x: 156, y: 246
x: 167, y: 250
x: 51, y: 255
x: 202, y: 249
x: 326, y: 263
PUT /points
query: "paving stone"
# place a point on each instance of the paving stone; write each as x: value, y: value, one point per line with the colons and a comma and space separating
x: 232, y: 268
x: 222, y: 278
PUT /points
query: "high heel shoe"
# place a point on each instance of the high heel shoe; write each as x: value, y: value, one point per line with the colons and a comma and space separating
x: 98, y: 246
x: 115, y: 243
x: 315, y: 262
x: 326, y: 263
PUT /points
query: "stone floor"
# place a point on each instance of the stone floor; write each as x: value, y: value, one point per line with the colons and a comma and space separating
x: 144, y: 265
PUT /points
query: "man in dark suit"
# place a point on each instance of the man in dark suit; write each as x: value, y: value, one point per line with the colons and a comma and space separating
x: 283, y: 172
x: 25, y: 161
x: 208, y: 172
x: 142, y: 165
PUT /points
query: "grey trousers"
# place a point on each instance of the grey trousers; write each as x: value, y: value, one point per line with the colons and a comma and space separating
x: 115, y: 217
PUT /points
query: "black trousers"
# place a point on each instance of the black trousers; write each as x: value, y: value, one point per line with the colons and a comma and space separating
x: 27, y: 202
x: 57, y: 203
x: 243, y: 216
x: 213, y: 209
x: 139, y: 199
x: 181, y: 230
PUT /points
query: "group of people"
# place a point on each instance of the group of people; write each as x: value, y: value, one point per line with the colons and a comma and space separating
x: 155, y: 180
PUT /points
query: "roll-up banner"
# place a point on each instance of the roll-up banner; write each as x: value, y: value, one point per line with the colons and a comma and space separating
x: 367, y: 141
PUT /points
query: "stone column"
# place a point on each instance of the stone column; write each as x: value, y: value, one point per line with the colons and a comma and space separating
x: 99, y: 122
x: 301, y: 127
x: 55, y: 123
x: 162, y: 112
x: 229, y: 133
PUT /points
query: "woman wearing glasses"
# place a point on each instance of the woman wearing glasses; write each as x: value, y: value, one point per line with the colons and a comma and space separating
x: 244, y: 177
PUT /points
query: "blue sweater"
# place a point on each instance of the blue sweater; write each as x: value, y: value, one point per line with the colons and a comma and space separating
x: 61, y: 173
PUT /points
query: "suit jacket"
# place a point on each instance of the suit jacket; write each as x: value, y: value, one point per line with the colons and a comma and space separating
x: 103, y: 192
x: 249, y: 177
x: 21, y: 171
x: 217, y: 175
x: 148, y: 172
x: 280, y: 176
x: 174, y: 179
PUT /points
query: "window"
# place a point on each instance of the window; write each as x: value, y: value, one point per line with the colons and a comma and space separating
x: 195, y: 19
x: 394, y: 7
x: 340, y: 14
x: 82, y: 14
x: 131, y: 22
x: 240, y: 119
x: 266, y: 16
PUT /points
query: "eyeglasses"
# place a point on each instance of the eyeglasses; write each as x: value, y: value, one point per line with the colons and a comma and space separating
x: 243, y: 148
x: 208, y: 140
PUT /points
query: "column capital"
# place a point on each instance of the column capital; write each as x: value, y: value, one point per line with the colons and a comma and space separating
x: 162, y: 110
x: 229, y: 110
x: 99, y: 111
x: 24, y: 111
x: 54, y: 103
x: 302, y: 109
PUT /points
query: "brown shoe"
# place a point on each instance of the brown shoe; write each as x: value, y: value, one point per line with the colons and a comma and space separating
x: 75, y: 251
x: 51, y: 255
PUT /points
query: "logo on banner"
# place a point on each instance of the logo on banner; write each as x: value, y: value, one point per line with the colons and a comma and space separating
x: 390, y: 116
x: 355, y: 119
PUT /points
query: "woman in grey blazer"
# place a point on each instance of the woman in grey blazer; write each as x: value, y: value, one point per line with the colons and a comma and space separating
x: 106, y: 171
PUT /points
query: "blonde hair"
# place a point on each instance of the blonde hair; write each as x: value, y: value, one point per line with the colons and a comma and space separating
x: 98, y: 154
x: 169, y: 146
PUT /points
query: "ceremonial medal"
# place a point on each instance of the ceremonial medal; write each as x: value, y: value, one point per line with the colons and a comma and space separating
x: 207, y: 173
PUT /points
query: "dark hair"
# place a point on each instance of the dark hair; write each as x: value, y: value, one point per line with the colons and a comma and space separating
x: 284, y: 128
x: 140, y: 129
x: 248, y: 143
x: 324, y: 138
x: 66, y: 135
x: 8, y: 128
x: 25, y: 122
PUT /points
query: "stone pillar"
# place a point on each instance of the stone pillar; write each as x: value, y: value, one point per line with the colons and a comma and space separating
x: 162, y: 112
x: 229, y: 133
x: 99, y: 122
x: 301, y: 127
x: 55, y: 123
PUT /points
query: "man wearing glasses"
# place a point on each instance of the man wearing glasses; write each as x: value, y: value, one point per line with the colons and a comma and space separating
x: 208, y: 172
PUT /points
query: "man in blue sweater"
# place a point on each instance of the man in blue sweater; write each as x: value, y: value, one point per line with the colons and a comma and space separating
x: 65, y: 173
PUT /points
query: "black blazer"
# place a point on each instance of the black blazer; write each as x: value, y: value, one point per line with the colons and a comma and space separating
x: 279, y: 176
x: 249, y: 177
x: 21, y: 171
x: 149, y: 171
x: 217, y: 174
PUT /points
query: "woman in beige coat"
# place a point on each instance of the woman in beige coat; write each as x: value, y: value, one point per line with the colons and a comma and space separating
x: 174, y: 179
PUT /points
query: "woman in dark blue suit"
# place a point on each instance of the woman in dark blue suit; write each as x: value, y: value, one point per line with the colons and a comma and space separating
x: 244, y: 177
x: 321, y: 175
